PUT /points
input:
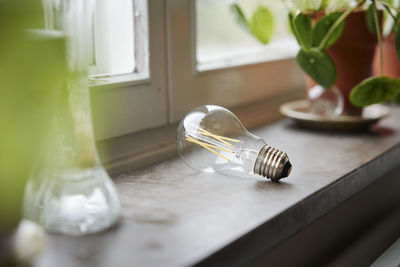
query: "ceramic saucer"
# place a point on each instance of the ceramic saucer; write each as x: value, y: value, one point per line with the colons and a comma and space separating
x: 298, y: 110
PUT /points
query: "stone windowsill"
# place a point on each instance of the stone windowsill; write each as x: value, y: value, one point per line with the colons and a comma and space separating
x: 173, y: 216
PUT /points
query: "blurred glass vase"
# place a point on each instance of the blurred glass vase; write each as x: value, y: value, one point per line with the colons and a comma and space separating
x: 70, y: 192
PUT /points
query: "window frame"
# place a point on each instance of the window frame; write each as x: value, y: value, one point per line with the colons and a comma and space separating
x: 190, y: 88
x: 128, y: 104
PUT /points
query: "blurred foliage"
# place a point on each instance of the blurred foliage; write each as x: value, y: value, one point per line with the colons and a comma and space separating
x: 375, y: 90
x: 318, y: 65
x: 322, y: 27
x: 32, y: 68
x: 261, y: 24
x: 328, y: 6
x: 315, y: 38
x: 313, y: 41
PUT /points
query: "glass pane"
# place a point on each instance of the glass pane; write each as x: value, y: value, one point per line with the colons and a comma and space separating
x: 222, y: 42
x: 113, y: 38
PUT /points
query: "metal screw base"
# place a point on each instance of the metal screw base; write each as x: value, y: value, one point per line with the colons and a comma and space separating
x: 272, y: 163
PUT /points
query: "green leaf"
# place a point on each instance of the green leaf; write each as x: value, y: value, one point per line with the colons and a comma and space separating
x: 374, y: 90
x: 291, y: 24
x: 369, y: 17
x: 240, y: 17
x: 319, y: 66
x: 322, y: 27
x: 262, y: 24
x: 303, y: 29
x: 396, y: 99
x: 397, y: 42
x: 389, y: 2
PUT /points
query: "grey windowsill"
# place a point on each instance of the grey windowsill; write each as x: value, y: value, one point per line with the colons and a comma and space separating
x: 173, y: 216
x: 390, y: 257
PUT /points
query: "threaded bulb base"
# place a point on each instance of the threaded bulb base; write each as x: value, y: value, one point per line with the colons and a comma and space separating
x: 272, y: 163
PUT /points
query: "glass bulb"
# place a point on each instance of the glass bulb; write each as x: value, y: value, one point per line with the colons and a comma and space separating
x: 326, y: 102
x: 212, y: 139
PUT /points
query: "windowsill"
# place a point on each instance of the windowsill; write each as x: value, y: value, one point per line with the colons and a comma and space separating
x: 143, y: 148
x: 118, y: 81
x: 173, y: 216
x: 390, y: 257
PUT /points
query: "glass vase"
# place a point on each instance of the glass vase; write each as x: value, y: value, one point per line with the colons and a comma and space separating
x: 70, y: 192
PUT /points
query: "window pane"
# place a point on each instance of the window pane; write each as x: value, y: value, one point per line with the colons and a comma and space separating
x: 113, y: 38
x: 222, y: 42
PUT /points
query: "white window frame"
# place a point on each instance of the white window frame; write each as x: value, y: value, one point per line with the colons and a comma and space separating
x: 130, y: 103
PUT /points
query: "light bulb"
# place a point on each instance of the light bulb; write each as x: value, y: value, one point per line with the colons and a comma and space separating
x: 212, y: 139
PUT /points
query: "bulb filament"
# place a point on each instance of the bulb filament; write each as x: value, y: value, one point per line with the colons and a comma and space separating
x: 212, y: 141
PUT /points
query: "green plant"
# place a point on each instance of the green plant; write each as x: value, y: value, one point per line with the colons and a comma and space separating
x: 261, y: 23
x: 314, y: 40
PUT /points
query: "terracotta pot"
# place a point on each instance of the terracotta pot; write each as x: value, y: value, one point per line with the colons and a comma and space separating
x: 352, y: 54
x: 391, y: 64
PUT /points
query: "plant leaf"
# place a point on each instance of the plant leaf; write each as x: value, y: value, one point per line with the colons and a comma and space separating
x: 397, y: 42
x: 303, y: 29
x: 240, y: 17
x: 262, y: 24
x: 319, y: 66
x: 292, y: 29
x: 390, y: 2
x: 396, y: 99
x: 369, y: 17
x: 322, y: 27
x: 374, y: 90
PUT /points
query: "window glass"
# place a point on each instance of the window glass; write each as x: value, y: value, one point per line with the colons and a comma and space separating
x: 113, y: 38
x: 222, y: 42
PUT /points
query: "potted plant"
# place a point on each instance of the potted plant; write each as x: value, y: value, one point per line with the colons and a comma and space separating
x: 332, y: 51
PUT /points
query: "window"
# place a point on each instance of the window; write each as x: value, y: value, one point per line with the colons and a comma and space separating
x: 120, y: 41
x: 229, y: 85
x: 112, y: 43
x: 129, y: 88
x: 222, y: 42
x: 156, y: 60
